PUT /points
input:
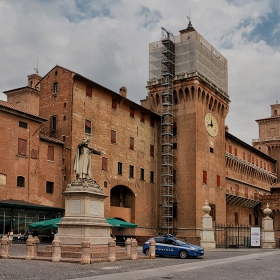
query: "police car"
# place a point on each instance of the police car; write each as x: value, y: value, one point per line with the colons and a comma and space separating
x: 168, y: 245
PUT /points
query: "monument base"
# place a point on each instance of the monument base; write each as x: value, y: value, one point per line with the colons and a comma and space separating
x: 84, y: 214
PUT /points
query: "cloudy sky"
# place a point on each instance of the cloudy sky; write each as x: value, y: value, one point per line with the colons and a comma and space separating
x: 107, y: 41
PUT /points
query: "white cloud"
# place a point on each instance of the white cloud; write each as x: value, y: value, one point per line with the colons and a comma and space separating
x: 107, y: 41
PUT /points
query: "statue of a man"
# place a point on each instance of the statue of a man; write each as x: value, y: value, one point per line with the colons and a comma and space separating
x: 82, y: 161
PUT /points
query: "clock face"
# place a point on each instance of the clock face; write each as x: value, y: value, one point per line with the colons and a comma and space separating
x: 211, y: 125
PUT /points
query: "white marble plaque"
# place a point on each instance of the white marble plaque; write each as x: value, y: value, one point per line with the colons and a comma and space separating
x: 94, y: 207
x: 76, y: 206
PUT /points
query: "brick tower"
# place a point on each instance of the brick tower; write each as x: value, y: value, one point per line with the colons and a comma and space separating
x: 198, y: 88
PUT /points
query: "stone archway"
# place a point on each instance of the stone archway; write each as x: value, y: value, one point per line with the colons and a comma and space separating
x: 122, y: 203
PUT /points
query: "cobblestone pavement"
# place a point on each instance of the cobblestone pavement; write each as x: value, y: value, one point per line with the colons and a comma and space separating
x: 35, y: 269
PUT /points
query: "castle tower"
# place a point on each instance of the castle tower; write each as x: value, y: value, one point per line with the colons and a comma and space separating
x: 200, y: 104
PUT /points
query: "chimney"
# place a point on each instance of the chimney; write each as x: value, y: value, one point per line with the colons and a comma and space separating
x: 123, y: 92
x: 226, y: 128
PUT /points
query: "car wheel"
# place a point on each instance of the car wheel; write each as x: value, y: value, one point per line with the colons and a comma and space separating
x: 147, y: 252
x: 183, y: 254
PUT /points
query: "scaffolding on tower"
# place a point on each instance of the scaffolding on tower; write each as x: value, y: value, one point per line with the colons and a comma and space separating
x: 167, y: 77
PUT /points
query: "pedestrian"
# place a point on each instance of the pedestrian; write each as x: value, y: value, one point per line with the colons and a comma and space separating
x: 35, y: 232
x: 10, y: 237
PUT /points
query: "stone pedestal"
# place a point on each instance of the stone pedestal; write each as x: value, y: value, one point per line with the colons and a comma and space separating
x: 84, y: 214
x: 268, y: 237
x: 207, y: 233
x: 5, y: 247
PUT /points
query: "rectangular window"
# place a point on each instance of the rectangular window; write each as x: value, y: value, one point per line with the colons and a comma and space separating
x: 174, y: 176
x: 218, y: 181
x: 22, y: 124
x: 22, y: 146
x: 131, y: 171
x: 119, y: 168
x: 174, y: 129
x: 236, y: 190
x: 260, y: 164
x: 55, y: 88
x: 89, y: 91
x: 257, y: 162
x: 152, y: 123
x: 20, y: 181
x: 114, y: 103
x: 152, y: 177
x: 88, y: 126
x: 152, y: 150
x: 236, y: 218
x: 230, y: 149
x: 49, y: 187
x: 204, y: 177
x: 34, y: 154
x: 246, y: 192
x: 264, y: 165
x: 235, y: 152
x: 143, y: 115
x: 212, y: 150
x: 132, y: 112
x: 104, y: 163
x: 174, y: 146
x: 51, y: 153
x: 244, y: 156
x: 249, y: 158
x: 113, y: 137
x: 142, y: 174
x: 131, y: 143
x: 53, y: 123
x: 253, y: 160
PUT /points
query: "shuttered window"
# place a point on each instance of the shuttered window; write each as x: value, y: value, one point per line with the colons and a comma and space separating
x: 89, y: 91
x: 143, y: 117
x: 104, y: 163
x: 113, y: 136
x: 218, y: 181
x: 132, y: 112
x: 131, y: 143
x: 152, y: 150
x: 204, y: 177
x: 230, y: 149
x: 22, y: 145
x: 235, y: 152
x: 51, y: 153
x: 114, y: 103
x: 34, y: 154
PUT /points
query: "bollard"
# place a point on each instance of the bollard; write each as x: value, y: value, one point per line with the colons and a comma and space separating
x: 128, y: 246
x: 36, y: 245
x: 5, y: 247
x: 85, y: 254
x: 152, y: 248
x: 30, y: 249
x: 112, y: 250
x: 56, y: 250
x: 133, y: 252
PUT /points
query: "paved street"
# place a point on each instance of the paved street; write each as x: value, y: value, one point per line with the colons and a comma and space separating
x: 216, y: 264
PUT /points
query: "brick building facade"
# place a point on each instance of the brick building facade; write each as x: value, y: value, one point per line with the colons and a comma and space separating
x: 209, y: 163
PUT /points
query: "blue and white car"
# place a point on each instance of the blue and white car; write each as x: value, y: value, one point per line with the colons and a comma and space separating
x: 168, y: 245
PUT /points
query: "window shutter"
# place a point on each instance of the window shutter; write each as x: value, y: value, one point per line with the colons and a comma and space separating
x: 89, y: 91
x: 104, y: 164
x: 131, y: 144
x: 152, y: 150
x: 204, y: 177
x: 218, y: 181
x: 113, y: 136
x: 22, y: 145
x: 114, y: 103
x: 51, y: 153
